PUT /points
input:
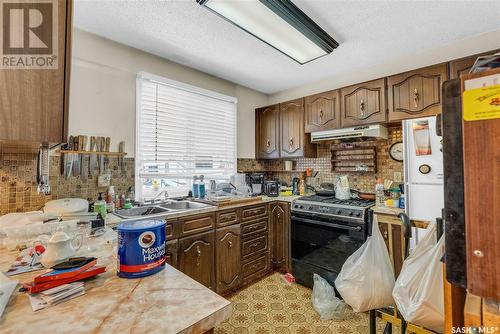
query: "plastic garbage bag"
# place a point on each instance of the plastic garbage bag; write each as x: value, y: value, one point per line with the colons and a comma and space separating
x: 418, y: 291
x: 325, y: 302
x: 367, y: 277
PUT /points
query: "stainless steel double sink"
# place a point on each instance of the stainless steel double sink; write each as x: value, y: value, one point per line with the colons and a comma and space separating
x: 160, y: 209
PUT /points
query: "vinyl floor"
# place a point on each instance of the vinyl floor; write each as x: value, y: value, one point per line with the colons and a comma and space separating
x: 270, y: 306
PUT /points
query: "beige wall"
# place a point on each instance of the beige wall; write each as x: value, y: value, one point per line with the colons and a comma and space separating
x: 466, y: 47
x: 102, y: 95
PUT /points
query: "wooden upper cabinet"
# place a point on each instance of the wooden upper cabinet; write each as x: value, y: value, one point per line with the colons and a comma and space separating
x: 322, y: 111
x: 416, y: 93
x: 34, y: 102
x: 463, y: 65
x: 363, y: 103
x: 267, y: 132
x: 293, y: 140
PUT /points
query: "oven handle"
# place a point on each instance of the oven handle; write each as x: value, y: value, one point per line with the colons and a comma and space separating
x: 315, y: 222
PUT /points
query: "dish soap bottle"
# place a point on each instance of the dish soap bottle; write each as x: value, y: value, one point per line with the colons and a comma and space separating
x: 379, y: 192
x: 100, y: 206
x: 195, y: 187
x: 201, y: 187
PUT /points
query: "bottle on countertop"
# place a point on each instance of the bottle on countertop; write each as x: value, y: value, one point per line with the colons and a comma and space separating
x: 302, y: 187
x: 196, y: 187
x: 379, y: 192
x: 402, y: 201
x: 201, y: 187
x: 100, y: 206
x: 110, y: 199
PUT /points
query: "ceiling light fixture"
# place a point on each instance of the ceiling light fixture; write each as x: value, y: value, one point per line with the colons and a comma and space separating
x: 278, y: 23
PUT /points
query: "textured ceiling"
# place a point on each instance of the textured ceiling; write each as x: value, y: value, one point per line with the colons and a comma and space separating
x: 369, y: 33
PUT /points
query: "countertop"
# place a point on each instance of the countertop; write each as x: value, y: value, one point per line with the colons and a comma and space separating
x: 113, y: 220
x: 167, y: 302
x: 387, y: 210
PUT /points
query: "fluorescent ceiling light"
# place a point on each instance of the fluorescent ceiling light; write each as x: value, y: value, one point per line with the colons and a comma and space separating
x: 278, y: 23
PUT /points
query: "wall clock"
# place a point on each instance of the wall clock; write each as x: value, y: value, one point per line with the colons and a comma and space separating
x: 396, y: 151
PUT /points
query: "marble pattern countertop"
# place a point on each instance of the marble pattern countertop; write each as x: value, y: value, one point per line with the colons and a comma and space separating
x: 167, y: 302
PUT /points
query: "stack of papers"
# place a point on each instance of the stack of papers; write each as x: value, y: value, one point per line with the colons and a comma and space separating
x: 56, y: 295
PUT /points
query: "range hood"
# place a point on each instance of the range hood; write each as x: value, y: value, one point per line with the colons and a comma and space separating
x: 374, y: 131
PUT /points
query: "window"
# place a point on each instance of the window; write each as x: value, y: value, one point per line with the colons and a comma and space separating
x: 181, y: 131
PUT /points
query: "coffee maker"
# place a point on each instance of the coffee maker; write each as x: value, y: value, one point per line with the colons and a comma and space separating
x: 256, y: 183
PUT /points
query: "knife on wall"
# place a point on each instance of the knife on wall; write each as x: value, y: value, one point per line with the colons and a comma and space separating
x: 76, y: 158
x: 84, y: 173
x: 106, y: 149
x: 93, y: 157
x: 69, y: 158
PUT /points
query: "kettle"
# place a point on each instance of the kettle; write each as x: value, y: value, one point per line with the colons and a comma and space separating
x: 59, y: 248
x: 342, y: 192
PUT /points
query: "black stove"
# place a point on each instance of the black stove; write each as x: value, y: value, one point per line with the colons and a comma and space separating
x: 325, y: 232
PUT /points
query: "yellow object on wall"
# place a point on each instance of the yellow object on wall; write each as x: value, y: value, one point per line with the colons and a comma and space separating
x: 481, y: 103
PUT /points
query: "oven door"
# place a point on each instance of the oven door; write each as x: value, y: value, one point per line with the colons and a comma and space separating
x: 321, y: 245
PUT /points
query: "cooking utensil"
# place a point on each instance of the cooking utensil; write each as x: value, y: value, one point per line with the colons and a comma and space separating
x: 121, y: 149
x: 363, y: 195
x: 93, y: 166
x: 76, y: 160
x: 106, y: 149
x: 69, y: 158
x: 84, y: 167
x: 100, y: 148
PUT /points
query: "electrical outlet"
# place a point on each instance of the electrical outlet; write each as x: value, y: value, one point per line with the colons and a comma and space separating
x: 397, y: 177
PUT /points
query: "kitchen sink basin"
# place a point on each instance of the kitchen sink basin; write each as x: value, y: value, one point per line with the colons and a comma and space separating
x: 159, y: 209
x: 184, y: 205
x: 141, y: 211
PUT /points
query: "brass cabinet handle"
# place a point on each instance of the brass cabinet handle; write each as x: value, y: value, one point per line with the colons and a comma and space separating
x: 230, y: 244
x: 416, y: 97
x: 198, y: 256
x: 279, y: 215
x: 321, y: 113
x: 268, y: 143
x: 291, y: 142
x: 385, y: 235
x: 362, y: 106
x: 255, y: 244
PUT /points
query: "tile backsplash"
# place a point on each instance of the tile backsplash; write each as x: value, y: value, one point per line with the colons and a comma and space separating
x: 18, y: 187
x: 386, y: 167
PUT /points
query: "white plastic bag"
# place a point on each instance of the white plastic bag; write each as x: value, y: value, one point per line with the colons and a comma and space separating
x: 367, y: 277
x: 325, y: 302
x: 418, y: 291
x: 7, y: 286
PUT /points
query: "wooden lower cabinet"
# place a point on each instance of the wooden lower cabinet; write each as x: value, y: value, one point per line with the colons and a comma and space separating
x: 280, y: 235
x: 196, y: 257
x: 228, y: 258
x: 171, y: 253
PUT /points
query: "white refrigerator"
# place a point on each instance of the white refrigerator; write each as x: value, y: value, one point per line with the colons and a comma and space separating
x: 423, y: 167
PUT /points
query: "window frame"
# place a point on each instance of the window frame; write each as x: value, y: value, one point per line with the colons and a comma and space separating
x: 141, y: 76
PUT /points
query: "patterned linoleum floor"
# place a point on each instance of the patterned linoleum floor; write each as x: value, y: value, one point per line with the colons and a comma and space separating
x: 272, y: 307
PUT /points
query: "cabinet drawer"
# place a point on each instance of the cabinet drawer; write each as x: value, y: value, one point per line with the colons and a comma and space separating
x: 254, y: 227
x: 195, y: 224
x: 255, y: 267
x: 225, y: 218
x: 254, y: 245
x: 169, y: 231
x: 253, y: 212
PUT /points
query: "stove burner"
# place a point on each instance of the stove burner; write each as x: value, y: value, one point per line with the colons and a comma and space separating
x: 333, y: 200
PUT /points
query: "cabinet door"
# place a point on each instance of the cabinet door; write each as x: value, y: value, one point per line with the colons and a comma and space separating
x: 322, y: 111
x: 33, y: 102
x: 294, y: 142
x: 363, y: 103
x: 267, y: 132
x: 416, y: 93
x: 171, y: 254
x: 280, y: 236
x: 463, y: 65
x: 196, y: 257
x: 227, y: 258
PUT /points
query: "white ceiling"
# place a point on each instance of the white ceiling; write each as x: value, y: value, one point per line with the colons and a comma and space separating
x: 369, y: 33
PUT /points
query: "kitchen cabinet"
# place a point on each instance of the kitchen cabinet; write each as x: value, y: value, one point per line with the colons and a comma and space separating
x: 196, y: 257
x: 294, y: 142
x: 363, y: 103
x: 322, y: 111
x: 416, y: 93
x: 267, y: 132
x: 280, y: 236
x: 171, y: 253
x: 228, y: 258
x: 463, y: 65
x: 34, y: 102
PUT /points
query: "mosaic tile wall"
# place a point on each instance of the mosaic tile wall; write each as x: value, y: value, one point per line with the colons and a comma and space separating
x: 386, y: 167
x: 18, y: 188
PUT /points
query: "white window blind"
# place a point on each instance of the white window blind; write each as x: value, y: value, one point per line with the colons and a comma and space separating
x: 182, y: 131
